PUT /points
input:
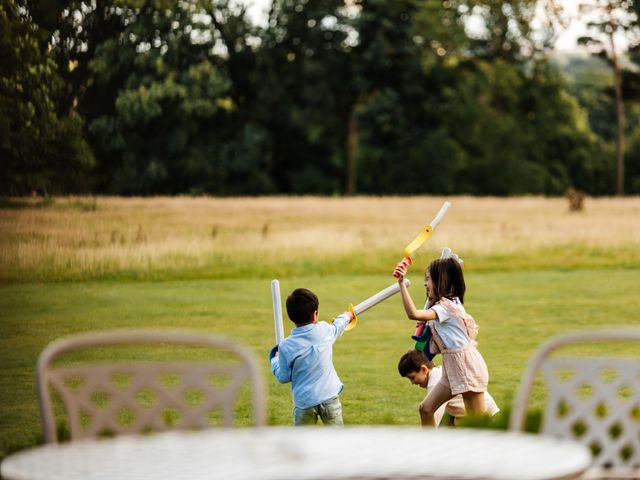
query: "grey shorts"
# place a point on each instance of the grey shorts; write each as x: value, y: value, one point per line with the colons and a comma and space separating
x: 330, y: 412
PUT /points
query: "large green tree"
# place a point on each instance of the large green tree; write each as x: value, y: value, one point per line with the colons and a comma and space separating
x: 400, y: 60
x: 41, y: 143
x: 305, y: 93
x: 325, y: 96
x: 607, y: 19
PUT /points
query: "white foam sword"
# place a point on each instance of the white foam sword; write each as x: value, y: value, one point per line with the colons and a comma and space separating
x: 360, y: 308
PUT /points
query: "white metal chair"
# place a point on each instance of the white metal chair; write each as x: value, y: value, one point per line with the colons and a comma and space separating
x: 595, y: 401
x: 137, y: 396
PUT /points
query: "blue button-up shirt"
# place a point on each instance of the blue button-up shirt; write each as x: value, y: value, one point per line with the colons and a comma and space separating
x: 305, y: 358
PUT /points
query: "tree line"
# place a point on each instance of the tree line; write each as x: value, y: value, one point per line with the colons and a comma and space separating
x: 146, y: 97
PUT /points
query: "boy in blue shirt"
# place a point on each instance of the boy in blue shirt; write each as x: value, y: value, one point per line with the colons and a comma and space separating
x: 304, y: 358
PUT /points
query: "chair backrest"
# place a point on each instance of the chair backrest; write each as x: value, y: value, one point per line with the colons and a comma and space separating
x: 136, y: 396
x: 595, y: 401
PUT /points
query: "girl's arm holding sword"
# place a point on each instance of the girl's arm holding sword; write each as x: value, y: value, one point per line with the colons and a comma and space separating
x: 407, y: 302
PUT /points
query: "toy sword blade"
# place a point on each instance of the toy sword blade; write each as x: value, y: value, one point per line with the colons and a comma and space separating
x: 381, y: 296
x: 277, y: 311
x: 426, y: 232
x: 424, y: 235
x: 374, y: 300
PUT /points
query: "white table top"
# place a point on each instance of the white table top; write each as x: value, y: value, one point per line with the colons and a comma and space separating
x: 281, y: 453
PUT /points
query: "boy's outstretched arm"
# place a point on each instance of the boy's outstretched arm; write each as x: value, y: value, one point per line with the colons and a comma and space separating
x: 341, y: 322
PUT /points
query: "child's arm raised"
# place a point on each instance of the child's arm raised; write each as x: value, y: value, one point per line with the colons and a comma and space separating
x: 409, y: 307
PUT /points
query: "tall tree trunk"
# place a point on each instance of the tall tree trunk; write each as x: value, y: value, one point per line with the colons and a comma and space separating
x: 617, y: 84
x: 351, y: 151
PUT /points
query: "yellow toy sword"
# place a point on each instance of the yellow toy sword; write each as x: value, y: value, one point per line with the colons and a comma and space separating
x: 424, y: 235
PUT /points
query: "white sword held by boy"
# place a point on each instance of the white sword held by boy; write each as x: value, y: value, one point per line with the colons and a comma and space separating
x: 360, y: 308
x: 277, y: 310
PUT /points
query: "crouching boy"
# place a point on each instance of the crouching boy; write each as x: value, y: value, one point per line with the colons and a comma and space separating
x: 414, y: 366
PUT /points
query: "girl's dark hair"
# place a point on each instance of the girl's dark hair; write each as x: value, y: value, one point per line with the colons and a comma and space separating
x: 301, y: 304
x: 447, y: 279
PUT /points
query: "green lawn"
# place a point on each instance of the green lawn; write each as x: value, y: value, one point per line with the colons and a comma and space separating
x: 516, y: 312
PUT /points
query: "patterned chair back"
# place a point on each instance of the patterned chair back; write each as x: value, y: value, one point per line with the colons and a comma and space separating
x: 134, y: 396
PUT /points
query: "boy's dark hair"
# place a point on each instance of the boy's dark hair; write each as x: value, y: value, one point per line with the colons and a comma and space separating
x: 447, y: 279
x: 301, y: 304
x: 411, y: 362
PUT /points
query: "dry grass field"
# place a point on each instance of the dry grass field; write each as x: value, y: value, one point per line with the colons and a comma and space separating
x: 84, y: 237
